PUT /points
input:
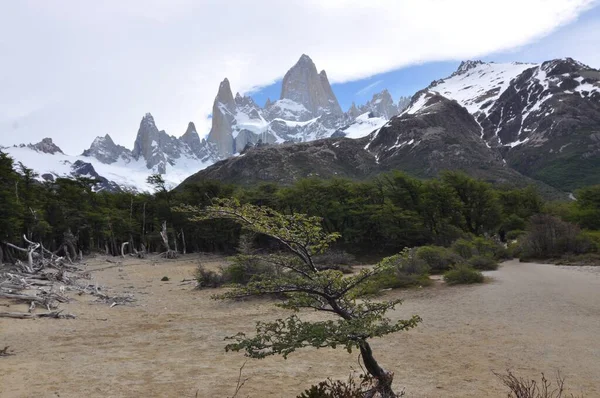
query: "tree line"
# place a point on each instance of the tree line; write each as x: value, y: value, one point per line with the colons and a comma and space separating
x: 376, y: 217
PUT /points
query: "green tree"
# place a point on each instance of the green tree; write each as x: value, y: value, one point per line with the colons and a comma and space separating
x: 305, y: 286
x: 10, y: 204
x: 479, y: 207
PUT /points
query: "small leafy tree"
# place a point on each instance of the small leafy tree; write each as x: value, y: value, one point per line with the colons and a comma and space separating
x: 303, y: 285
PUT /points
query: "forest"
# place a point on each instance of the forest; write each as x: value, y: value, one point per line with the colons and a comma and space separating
x: 375, y: 218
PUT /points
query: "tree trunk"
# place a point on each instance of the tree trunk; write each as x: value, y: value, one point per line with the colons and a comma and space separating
x: 1, y: 255
x: 123, y: 249
x: 183, y: 240
x: 384, y: 378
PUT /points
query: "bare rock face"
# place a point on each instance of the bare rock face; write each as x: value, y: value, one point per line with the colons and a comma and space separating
x: 223, y: 115
x: 304, y: 85
x: 156, y: 147
x: 46, y: 146
x: 106, y: 151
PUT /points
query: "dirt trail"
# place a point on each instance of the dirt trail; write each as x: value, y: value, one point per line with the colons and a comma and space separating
x: 530, y: 317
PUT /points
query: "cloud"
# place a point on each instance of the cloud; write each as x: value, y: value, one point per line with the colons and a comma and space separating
x: 104, y: 64
x: 365, y: 90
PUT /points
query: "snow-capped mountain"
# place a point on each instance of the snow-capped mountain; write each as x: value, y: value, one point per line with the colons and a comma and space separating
x: 307, y: 110
x: 544, y: 118
x: 118, y: 168
x: 513, y: 123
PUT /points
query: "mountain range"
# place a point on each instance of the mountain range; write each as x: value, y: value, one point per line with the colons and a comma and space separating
x: 306, y: 110
x: 513, y: 123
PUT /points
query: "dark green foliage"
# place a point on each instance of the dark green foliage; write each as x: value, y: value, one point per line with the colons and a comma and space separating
x: 514, y: 235
x: 439, y: 259
x: 464, y: 248
x: 401, y: 271
x: 246, y: 268
x: 164, y: 279
x: 463, y: 275
x: 483, y: 263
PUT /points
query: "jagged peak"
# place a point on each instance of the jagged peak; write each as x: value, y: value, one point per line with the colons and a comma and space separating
x: 238, y: 96
x: 46, y: 145
x: 467, y: 65
x: 268, y: 103
x: 148, y: 119
x: 305, y: 59
x: 225, y: 95
x: 191, y: 129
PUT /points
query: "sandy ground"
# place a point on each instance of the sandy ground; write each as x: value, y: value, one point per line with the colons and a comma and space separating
x: 529, y: 317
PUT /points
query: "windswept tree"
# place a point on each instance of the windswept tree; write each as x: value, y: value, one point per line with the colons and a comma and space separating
x: 305, y: 286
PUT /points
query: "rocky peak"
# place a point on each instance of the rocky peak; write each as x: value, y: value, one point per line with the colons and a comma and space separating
x: 225, y: 96
x: 46, y: 146
x: 268, y: 103
x: 192, y: 139
x: 305, y: 86
x: 558, y: 67
x: 467, y: 65
x: 106, y: 151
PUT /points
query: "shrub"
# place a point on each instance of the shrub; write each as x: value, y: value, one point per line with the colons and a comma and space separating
x: 483, y: 263
x: 407, y: 271
x: 463, y: 274
x: 207, y: 278
x: 352, y: 388
x: 335, y: 259
x: 246, y: 268
x: 439, y: 259
x: 463, y: 248
x: 527, y: 388
x: 549, y: 237
x: 164, y: 279
x: 514, y: 235
x: 490, y: 247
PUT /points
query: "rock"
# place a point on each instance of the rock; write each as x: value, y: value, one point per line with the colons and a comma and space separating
x: 46, y: 146
x: 106, y: 151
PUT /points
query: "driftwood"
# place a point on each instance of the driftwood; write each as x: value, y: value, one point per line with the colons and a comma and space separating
x: 4, y: 352
x: 27, y: 315
x: 170, y: 254
x: 42, y: 281
x: 123, y: 249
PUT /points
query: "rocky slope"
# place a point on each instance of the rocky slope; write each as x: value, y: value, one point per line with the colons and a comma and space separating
x: 544, y: 119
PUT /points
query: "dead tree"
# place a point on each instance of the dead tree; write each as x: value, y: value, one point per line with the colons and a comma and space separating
x: 123, y: 249
x: 170, y: 254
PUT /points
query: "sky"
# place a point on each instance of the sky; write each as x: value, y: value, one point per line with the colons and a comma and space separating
x: 76, y: 69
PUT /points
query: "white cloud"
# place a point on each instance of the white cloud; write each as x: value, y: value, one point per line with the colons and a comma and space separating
x: 96, y: 67
x: 367, y: 89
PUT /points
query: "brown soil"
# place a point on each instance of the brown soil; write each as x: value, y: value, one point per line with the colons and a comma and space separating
x: 531, y: 318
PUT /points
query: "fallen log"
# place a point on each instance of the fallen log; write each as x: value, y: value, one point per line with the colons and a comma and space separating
x: 26, y: 315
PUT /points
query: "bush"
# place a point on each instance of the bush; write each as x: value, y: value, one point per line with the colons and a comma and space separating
x: 335, y: 259
x: 207, y: 278
x: 528, y: 388
x: 406, y: 271
x: 463, y: 248
x: 514, y: 235
x: 439, y: 259
x: 246, y: 268
x: 480, y: 246
x: 483, y: 263
x: 550, y: 237
x: 463, y: 274
x: 352, y: 388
